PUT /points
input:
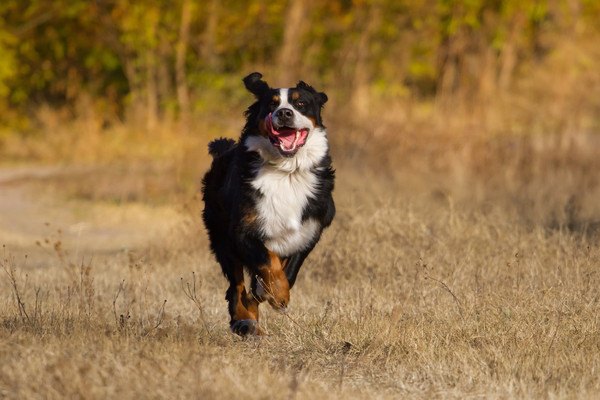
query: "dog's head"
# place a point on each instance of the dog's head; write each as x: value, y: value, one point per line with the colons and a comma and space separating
x: 287, y: 117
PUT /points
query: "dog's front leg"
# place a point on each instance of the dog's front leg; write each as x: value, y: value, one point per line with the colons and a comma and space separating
x: 270, y: 283
x: 243, y: 311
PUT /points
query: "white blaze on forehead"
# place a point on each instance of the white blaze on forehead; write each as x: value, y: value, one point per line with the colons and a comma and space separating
x: 300, y: 120
x: 283, y: 96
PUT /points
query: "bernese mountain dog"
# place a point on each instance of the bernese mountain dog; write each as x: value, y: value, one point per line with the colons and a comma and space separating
x: 268, y: 197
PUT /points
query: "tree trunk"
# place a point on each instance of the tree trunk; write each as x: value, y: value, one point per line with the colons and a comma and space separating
x: 136, y: 107
x: 508, y: 56
x: 164, y: 79
x: 207, y: 50
x: 361, y: 100
x: 151, y: 90
x: 289, y: 56
x: 183, y: 97
x: 149, y: 57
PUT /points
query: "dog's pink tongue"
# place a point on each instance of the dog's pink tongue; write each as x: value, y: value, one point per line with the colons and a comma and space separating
x: 287, y: 137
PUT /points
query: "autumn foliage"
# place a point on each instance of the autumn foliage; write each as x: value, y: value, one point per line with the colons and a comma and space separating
x: 151, y: 61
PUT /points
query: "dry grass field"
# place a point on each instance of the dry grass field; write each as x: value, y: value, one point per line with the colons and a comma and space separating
x: 452, y: 270
x: 464, y: 259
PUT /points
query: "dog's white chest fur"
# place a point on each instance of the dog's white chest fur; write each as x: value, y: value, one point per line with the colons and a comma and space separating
x: 284, y: 197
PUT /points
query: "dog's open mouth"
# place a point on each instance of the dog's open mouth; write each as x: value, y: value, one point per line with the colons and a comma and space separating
x: 287, y: 139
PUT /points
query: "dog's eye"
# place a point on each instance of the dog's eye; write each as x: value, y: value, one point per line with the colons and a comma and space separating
x: 300, y: 104
x: 273, y: 104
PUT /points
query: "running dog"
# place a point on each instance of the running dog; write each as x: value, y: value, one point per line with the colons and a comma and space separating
x: 268, y: 197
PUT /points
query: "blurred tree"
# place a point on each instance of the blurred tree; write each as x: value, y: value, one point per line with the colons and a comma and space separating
x: 147, y: 60
x: 183, y: 96
x: 290, y: 56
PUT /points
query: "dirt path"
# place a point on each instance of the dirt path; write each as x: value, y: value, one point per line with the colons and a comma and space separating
x: 32, y: 211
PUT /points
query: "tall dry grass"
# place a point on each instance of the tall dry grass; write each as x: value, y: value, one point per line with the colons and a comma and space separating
x: 407, y: 295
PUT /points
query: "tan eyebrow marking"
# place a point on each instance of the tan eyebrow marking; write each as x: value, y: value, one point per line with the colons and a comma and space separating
x: 276, y: 98
x: 295, y: 95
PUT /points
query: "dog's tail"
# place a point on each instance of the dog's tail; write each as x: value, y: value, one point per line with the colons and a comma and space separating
x: 218, y: 147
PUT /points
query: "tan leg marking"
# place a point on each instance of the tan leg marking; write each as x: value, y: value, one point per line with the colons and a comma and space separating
x: 273, y: 284
x: 244, y: 313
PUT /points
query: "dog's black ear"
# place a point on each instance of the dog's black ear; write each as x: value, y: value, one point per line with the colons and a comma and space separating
x: 320, y: 96
x: 305, y: 86
x: 255, y: 84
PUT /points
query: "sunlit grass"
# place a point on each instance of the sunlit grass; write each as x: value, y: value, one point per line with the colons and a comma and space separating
x: 415, y: 297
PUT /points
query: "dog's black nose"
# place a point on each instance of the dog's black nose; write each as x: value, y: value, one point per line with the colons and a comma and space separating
x: 285, y: 114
